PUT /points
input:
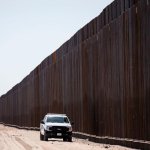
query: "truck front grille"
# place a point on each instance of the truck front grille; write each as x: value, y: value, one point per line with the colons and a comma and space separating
x: 59, y: 129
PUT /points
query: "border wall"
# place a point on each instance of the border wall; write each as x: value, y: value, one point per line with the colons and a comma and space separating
x: 100, y: 77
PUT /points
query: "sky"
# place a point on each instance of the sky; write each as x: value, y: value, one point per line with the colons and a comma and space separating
x: 30, y: 30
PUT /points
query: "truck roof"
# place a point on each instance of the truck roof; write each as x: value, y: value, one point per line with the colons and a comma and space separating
x: 55, y: 114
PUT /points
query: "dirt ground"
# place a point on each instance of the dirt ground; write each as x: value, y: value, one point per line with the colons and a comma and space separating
x: 15, y: 139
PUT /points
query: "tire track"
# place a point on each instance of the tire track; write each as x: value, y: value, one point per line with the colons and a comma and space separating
x: 8, y: 142
x: 1, y: 142
x: 25, y: 145
x: 31, y: 146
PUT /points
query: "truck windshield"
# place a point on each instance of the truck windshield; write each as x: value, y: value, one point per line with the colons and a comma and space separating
x: 57, y: 119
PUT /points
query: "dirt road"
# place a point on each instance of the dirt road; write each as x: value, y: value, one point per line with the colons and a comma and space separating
x: 15, y: 139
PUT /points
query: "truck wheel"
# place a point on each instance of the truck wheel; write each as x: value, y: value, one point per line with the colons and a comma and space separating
x: 41, y: 137
x: 70, y: 139
x: 64, y: 139
x: 45, y: 136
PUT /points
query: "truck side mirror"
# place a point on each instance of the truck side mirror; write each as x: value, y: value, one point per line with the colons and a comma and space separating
x: 42, y: 122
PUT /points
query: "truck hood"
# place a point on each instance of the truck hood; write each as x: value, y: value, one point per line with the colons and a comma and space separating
x: 58, y: 124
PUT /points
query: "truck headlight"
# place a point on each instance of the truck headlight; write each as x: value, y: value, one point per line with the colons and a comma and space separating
x: 70, y: 129
x: 48, y: 128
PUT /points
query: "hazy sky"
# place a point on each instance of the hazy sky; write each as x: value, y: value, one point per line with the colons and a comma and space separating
x: 30, y: 30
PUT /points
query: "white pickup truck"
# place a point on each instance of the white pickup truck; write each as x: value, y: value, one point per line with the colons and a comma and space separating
x: 56, y: 126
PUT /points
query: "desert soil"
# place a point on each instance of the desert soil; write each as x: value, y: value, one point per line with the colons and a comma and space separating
x: 16, y: 139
